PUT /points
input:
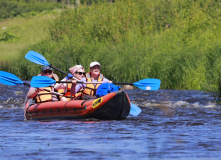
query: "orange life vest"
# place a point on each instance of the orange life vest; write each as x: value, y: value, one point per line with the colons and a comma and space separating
x: 91, y: 88
x: 68, y: 94
x: 45, y: 96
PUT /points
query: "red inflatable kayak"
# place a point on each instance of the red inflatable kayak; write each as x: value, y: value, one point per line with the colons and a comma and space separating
x: 114, y: 106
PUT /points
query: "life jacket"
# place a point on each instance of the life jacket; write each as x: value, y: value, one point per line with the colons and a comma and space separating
x: 91, y: 89
x: 45, y: 96
x: 70, y: 96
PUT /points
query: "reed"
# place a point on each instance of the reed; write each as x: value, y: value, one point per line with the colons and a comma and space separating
x: 177, y: 42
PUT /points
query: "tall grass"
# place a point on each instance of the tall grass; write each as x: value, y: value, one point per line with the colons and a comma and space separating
x: 177, y: 42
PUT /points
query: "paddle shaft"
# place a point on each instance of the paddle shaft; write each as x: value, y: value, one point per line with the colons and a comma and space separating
x: 58, y: 69
x: 118, y: 83
x: 46, y: 90
x: 62, y: 72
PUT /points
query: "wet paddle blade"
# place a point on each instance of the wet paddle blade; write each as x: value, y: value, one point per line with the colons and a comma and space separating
x: 9, y: 79
x: 148, y: 84
x: 36, y: 58
x: 41, y: 81
x: 134, y: 110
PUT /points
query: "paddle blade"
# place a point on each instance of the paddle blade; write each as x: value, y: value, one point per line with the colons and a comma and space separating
x: 134, y: 110
x: 42, y: 81
x: 36, y: 58
x: 148, y: 84
x: 9, y: 79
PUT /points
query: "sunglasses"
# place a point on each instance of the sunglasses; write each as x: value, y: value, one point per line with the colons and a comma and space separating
x: 45, y: 72
x: 80, y: 73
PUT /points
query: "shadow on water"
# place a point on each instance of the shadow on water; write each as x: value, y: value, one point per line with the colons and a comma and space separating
x: 173, y: 124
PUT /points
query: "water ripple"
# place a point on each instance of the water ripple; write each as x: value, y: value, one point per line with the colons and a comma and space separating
x: 172, y: 125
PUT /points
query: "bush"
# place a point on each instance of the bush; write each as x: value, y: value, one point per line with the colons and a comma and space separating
x: 6, y: 36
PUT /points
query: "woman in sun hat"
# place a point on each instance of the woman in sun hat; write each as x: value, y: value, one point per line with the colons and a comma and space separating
x: 77, y: 72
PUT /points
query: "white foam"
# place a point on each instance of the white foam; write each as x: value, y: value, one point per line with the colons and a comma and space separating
x: 210, y: 105
x: 181, y: 103
x: 196, y: 104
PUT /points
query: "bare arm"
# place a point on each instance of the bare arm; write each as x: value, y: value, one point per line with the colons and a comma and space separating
x: 107, y: 80
x: 32, y: 92
x: 61, y: 85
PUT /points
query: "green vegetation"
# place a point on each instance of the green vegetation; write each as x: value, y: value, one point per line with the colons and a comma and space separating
x: 177, y: 42
x: 24, y: 8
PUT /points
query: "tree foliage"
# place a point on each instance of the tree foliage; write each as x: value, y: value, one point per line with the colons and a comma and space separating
x: 14, y: 8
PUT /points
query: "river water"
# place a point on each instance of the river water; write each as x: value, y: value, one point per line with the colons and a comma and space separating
x: 173, y: 124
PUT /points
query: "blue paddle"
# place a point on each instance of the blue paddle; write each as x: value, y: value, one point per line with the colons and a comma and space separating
x: 149, y: 84
x: 39, y: 59
x: 12, y: 80
x: 135, y: 110
x: 145, y: 84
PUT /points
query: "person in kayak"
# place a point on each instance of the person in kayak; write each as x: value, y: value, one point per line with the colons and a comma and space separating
x: 93, y: 76
x: 39, y: 95
x: 77, y: 73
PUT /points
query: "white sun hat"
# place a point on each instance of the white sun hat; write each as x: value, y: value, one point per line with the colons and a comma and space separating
x: 94, y: 64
